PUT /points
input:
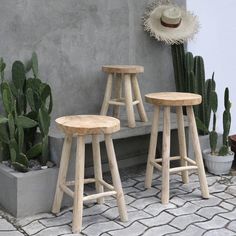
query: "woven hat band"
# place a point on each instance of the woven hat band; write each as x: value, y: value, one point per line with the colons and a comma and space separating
x: 170, y: 25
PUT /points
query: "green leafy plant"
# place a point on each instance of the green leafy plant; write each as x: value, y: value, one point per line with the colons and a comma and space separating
x: 27, y: 103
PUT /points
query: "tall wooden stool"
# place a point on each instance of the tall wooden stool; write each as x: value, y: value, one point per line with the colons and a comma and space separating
x: 128, y: 74
x: 80, y: 126
x: 178, y: 100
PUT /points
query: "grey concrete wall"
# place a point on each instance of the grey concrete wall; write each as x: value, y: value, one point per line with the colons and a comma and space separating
x: 74, y: 38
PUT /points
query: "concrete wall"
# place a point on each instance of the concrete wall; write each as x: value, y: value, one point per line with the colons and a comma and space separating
x: 74, y: 38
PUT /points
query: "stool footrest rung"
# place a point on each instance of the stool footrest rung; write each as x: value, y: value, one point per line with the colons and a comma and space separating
x: 177, y: 158
x: 193, y: 165
x: 190, y: 161
x: 99, y: 195
x: 67, y: 190
x: 182, y: 168
x: 121, y: 102
x: 171, y: 159
x: 86, y: 181
x: 91, y: 180
x: 105, y: 184
x: 158, y: 166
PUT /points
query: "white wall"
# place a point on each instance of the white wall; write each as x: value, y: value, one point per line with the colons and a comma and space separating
x: 216, y: 43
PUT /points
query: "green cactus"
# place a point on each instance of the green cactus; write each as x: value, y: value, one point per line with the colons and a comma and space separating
x: 213, y: 136
x: 34, y: 151
x: 200, y: 80
x: 2, y: 68
x: 209, y: 86
x: 34, y: 60
x: 18, y: 75
x: 27, y: 103
x: 190, y: 77
x: 178, y: 63
x: 224, y: 150
x: 45, y: 149
x: 7, y: 97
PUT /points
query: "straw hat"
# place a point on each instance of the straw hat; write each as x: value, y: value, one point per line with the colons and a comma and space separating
x: 169, y: 23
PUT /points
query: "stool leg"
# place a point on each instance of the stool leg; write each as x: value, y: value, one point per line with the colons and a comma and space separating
x: 97, y: 166
x: 182, y: 143
x: 165, y: 156
x: 118, y: 92
x: 198, y: 153
x: 152, y: 147
x: 79, y: 186
x: 138, y: 97
x: 116, y: 177
x: 65, y: 156
x: 107, y: 96
x: 129, y: 101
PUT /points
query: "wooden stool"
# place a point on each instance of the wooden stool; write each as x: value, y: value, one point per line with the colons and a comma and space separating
x: 129, y: 75
x: 167, y: 100
x: 80, y: 126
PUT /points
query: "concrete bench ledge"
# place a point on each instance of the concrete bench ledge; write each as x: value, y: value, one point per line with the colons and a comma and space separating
x: 141, y: 128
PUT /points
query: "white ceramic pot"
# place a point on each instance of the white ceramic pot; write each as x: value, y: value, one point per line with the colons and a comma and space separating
x: 218, y: 165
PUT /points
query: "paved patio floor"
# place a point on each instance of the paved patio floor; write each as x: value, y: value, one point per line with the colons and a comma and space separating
x: 186, y: 214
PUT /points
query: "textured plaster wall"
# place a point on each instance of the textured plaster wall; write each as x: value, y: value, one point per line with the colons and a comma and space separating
x: 74, y: 38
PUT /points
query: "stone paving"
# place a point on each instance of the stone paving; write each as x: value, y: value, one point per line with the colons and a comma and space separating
x: 186, y: 214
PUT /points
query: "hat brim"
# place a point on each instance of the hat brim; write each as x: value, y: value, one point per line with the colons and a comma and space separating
x: 188, y: 27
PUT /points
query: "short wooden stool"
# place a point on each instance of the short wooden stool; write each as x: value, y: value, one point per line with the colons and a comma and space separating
x: 178, y: 100
x: 80, y: 126
x: 128, y: 74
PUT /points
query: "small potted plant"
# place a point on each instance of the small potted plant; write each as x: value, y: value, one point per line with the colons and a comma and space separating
x: 219, y: 160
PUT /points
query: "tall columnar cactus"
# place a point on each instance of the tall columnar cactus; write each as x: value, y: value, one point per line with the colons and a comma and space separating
x: 189, y: 73
x: 213, y: 134
x: 226, y: 124
x: 190, y: 77
x: 178, y: 63
x: 27, y: 104
x: 210, y: 86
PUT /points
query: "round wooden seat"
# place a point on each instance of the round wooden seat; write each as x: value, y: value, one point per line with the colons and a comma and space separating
x: 77, y: 127
x: 168, y: 100
x: 123, y: 69
x: 125, y: 78
x: 173, y: 99
x: 88, y: 124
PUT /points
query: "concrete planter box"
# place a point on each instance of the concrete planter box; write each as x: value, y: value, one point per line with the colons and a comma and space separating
x: 25, y: 194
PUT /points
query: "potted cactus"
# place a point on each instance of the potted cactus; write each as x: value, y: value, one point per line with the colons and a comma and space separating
x: 219, y: 160
x: 27, y: 104
x: 190, y: 77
